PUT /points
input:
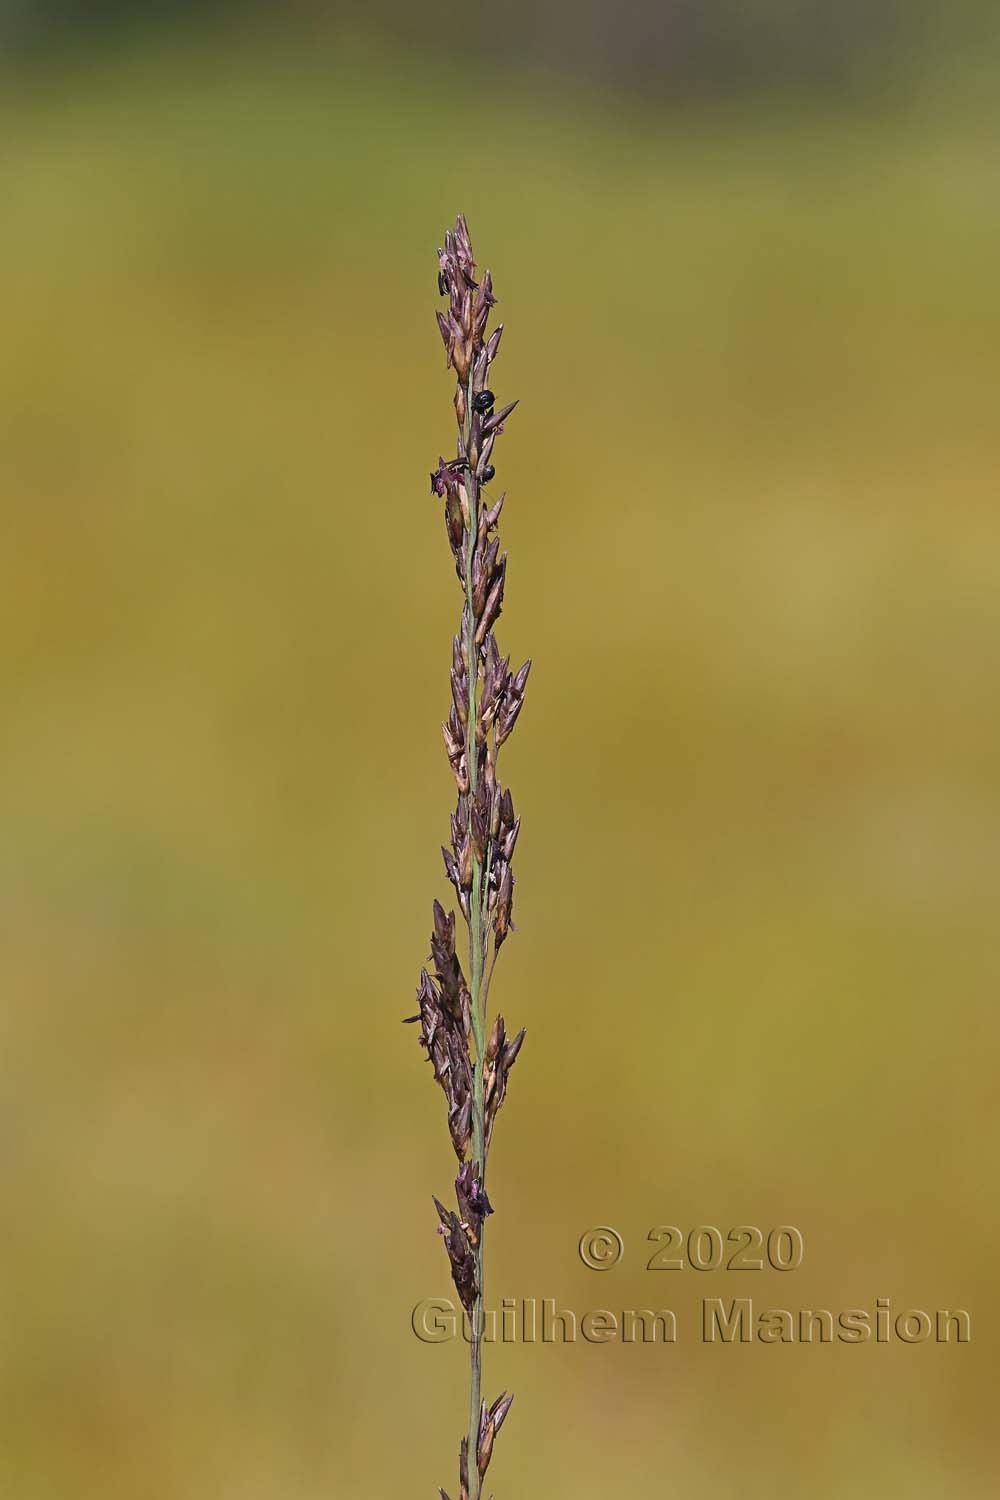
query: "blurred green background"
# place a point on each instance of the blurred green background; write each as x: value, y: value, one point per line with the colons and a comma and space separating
x: 747, y: 260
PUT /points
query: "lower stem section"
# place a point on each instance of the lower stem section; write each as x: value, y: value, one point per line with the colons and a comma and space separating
x: 479, y: 1169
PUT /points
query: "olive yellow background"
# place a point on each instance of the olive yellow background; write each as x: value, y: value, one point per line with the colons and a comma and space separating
x: 755, y: 555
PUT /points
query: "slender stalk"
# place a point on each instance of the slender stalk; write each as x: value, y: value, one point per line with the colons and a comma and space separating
x: 489, y: 980
x: 476, y: 1007
x: 472, y: 1061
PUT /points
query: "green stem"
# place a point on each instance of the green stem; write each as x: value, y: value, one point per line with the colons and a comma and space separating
x: 486, y: 894
x: 475, y: 985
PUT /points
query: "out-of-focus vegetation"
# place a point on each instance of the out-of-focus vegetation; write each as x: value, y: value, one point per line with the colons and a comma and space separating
x: 670, y: 49
x: 755, y: 553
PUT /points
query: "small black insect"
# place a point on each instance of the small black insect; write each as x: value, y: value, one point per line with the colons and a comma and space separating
x: 480, y: 1202
x: 442, y: 283
x: 482, y: 402
x: 488, y: 473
